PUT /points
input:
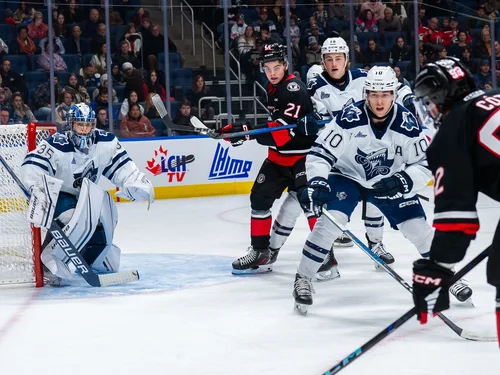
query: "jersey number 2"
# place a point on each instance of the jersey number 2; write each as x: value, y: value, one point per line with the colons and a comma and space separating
x: 292, y: 110
x: 489, y: 134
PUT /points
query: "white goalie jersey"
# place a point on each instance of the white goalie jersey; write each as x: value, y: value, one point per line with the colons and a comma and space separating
x: 56, y: 156
x: 329, y: 99
x: 350, y: 145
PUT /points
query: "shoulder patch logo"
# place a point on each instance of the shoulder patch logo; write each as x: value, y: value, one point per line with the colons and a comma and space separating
x: 311, y: 83
x: 324, y: 95
x: 409, y: 122
x: 350, y: 114
x: 293, y: 86
x: 60, y: 139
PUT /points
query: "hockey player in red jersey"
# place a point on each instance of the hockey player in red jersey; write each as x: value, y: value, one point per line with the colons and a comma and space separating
x: 464, y: 157
x: 288, y: 100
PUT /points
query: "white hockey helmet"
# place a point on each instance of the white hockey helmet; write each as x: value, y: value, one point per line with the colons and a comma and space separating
x: 381, y: 78
x: 314, y: 71
x: 335, y: 45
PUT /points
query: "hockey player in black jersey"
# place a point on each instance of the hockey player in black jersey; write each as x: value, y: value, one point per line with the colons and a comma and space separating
x: 288, y: 100
x: 464, y: 157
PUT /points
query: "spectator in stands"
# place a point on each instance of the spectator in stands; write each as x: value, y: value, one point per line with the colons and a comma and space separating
x: 139, y: 15
x: 338, y: 10
x: 358, y: 54
x: 400, y: 77
x: 263, y: 20
x: 131, y: 99
x: 115, y: 18
x: 431, y: 32
x: 4, y: 49
x: 104, y: 83
x: 60, y: 28
x: 45, y: 61
x: 12, y: 80
x: 102, y: 121
x: 294, y: 28
x: 99, y: 59
x: 315, y: 32
x: 24, y: 45
x: 400, y: 52
x: 24, y: 13
x: 145, y: 28
x: 89, y: 26
x: 42, y: 97
x: 116, y: 75
x: 9, y: 18
x: 468, y: 61
x: 154, y: 85
x: 389, y: 22
x: 101, y: 101
x: 200, y: 90
x: 58, y: 44
x: 265, y: 35
x: 134, y: 40
x: 463, y: 40
x: 63, y: 108
x: 79, y: 93
x: 321, y: 15
x: 98, y: 39
x: 134, y: 81
x: 75, y: 44
x: 183, y: 117
x: 491, y: 6
x: 497, y: 58
x: 149, y: 108
x: 37, y: 29
x: 125, y: 55
x: 72, y: 13
x: 246, y: 42
x: 238, y: 28
x: 276, y: 13
x: 376, y: 7
x: 366, y: 23
x: 153, y: 45
x: 374, y: 53
x: 5, y: 116
x: 422, y: 60
x: 90, y: 75
x: 482, y: 48
x: 312, y: 54
x: 5, y: 95
x: 398, y: 9
x: 135, y: 124
x: 484, y: 75
x: 450, y: 36
x: 21, y: 113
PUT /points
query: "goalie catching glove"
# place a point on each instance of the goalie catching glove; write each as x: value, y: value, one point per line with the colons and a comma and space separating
x: 43, y: 201
x: 137, y: 188
x: 235, y: 128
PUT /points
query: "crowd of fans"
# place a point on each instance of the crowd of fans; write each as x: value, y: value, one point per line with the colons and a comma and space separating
x: 384, y: 34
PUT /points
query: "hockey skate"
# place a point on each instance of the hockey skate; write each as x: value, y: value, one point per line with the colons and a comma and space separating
x: 462, y: 292
x: 329, y: 268
x: 255, y: 261
x: 379, y: 249
x: 343, y: 241
x: 273, y: 255
x: 302, y: 292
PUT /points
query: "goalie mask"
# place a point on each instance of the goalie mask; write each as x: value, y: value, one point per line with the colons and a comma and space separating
x: 438, y: 86
x: 80, y: 124
x: 381, y: 85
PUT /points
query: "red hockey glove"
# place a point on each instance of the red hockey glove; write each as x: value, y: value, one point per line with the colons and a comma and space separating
x: 234, y: 128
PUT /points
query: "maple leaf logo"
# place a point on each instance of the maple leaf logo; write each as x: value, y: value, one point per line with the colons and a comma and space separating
x: 154, y: 165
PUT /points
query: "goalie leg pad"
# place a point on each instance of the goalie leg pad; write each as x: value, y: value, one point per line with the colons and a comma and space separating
x: 419, y: 233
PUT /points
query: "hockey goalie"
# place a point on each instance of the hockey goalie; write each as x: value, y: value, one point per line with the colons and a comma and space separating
x: 62, y: 175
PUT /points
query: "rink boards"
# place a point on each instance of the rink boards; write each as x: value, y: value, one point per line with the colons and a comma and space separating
x: 181, y: 167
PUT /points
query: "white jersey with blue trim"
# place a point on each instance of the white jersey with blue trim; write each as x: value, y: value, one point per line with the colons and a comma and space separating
x: 57, y: 157
x: 350, y: 145
x: 329, y: 98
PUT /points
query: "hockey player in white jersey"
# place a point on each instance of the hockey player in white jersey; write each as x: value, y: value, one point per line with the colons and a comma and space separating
x: 374, y: 150
x: 331, y: 86
x: 65, y: 168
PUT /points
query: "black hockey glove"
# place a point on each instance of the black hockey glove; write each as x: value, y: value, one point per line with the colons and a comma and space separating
x: 316, y: 195
x: 392, y: 188
x: 234, y: 128
x: 309, y: 124
x: 427, y: 277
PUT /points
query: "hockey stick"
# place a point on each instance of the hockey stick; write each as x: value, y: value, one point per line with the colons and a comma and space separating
x: 74, y: 255
x: 400, y: 321
x: 458, y: 330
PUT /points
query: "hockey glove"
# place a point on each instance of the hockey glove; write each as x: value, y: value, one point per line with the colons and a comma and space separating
x: 234, y: 128
x: 392, y: 188
x: 316, y: 195
x: 309, y: 124
x: 430, y: 288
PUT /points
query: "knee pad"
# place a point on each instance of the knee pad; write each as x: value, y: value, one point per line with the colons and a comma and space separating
x: 419, y: 233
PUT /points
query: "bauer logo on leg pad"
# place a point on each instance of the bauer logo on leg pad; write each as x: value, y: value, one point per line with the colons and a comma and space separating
x: 68, y: 251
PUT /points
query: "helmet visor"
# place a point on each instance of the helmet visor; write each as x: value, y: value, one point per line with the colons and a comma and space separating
x: 427, y: 112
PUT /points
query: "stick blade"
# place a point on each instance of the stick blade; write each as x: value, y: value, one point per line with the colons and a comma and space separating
x: 118, y: 278
x: 158, y: 103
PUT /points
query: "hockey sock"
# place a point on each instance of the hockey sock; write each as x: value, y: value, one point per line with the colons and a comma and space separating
x: 375, y: 228
x: 260, y: 227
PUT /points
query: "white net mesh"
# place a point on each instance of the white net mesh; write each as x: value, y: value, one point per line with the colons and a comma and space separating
x: 16, y: 235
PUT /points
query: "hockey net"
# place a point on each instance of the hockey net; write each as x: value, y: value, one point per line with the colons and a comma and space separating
x: 20, y: 243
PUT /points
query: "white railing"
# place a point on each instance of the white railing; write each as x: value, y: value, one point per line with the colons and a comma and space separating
x: 237, y: 75
x: 257, y: 101
x: 205, y: 98
x: 190, y: 20
x: 210, y: 43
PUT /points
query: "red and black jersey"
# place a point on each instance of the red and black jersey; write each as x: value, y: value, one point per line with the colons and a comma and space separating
x: 287, y: 102
x: 464, y: 157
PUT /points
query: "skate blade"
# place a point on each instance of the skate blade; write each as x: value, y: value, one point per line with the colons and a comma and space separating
x: 348, y: 244
x: 253, y: 271
x: 327, y: 275
x: 301, y: 309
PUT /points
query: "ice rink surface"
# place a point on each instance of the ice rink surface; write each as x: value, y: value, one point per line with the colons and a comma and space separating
x: 189, y: 315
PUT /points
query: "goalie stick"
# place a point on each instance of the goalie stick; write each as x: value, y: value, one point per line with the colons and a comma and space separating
x: 400, y: 321
x: 468, y: 335
x: 73, y: 254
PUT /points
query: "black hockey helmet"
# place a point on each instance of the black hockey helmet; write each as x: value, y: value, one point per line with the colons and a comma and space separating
x: 273, y: 52
x: 439, y: 85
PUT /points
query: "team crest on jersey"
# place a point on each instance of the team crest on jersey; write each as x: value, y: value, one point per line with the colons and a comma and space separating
x: 375, y: 163
x: 351, y: 114
x: 311, y: 83
x: 89, y: 172
x: 60, y: 139
x: 409, y: 122
x: 324, y: 95
x: 341, y: 195
x: 293, y: 86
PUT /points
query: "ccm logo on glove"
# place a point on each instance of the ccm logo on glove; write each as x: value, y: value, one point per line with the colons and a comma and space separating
x: 426, y: 280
